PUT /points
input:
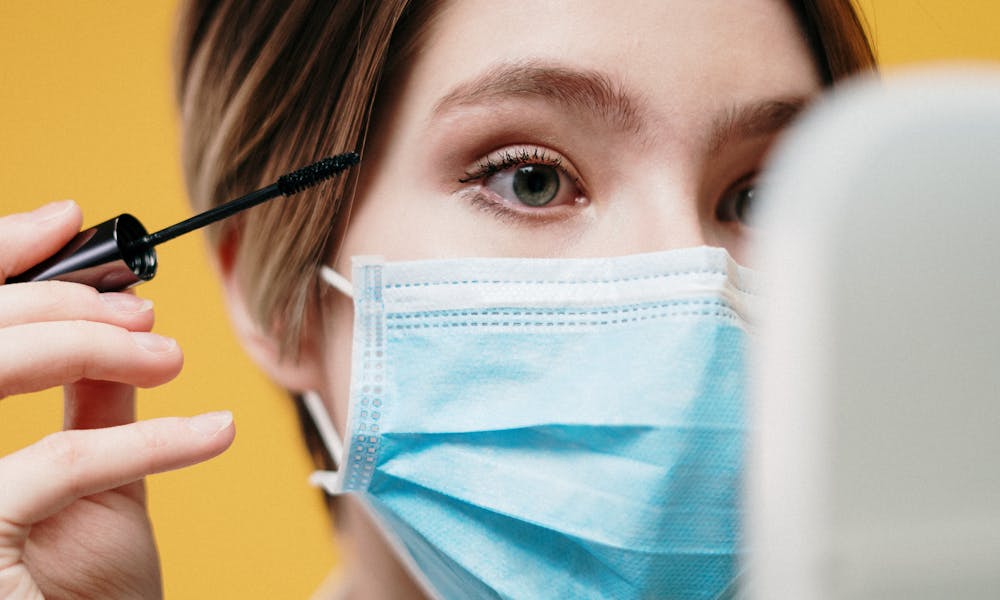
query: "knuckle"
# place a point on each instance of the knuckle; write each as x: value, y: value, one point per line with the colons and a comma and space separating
x: 81, y: 327
x: 76, y: 333
x: 99, y: 344
x: 55, y: 296
x: 151, y: 441
x: 152, y: 437
x: 65, y: 452
x: 64, y: 448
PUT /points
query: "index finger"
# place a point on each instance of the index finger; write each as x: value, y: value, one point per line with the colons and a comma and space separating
x: 27, y: 239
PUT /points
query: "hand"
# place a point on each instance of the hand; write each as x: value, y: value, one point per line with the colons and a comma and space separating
x: 73, y: 520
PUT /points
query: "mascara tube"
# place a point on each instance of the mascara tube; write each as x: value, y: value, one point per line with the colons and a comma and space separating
x: 106, y: 257
x: 118, y: 253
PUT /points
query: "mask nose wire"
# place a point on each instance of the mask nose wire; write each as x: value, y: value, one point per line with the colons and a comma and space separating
x: 337, y: 281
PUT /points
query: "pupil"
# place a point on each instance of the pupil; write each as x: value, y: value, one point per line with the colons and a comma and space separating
x: 536, y: 185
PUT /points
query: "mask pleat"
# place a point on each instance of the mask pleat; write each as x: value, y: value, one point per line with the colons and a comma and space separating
x: 565, y: 429
x: 522, y: 553
x: 612, y: 500
x: 516, y: 381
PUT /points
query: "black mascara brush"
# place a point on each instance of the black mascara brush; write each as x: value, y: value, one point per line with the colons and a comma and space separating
x: 118, y: 253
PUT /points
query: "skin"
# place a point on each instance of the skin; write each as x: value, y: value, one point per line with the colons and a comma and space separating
x: 73, y: 520
x: 710, y: 84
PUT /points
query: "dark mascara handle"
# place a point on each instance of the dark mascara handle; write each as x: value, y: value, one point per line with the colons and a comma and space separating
x: 106, y: 257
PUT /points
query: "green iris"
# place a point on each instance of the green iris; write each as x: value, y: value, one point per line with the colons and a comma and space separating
x: 536, y: 185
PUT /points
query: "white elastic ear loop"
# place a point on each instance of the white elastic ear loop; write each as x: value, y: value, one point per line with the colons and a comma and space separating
x: 338, y: 281
x: 328, y: 480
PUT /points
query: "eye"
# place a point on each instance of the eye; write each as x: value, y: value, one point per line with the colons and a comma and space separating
x: 736, y: 205
x: 532, y: 185
x: 524, y: 179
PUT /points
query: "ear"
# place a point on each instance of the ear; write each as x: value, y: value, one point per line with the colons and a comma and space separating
x: 296, y: 374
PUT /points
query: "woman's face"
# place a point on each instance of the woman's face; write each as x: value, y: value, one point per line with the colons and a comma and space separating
x: 569, y: 129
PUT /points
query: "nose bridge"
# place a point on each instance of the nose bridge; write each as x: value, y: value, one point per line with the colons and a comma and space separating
x: 666, y: 216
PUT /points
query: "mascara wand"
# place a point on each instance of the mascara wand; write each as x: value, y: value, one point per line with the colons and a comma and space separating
x: 119, y: 254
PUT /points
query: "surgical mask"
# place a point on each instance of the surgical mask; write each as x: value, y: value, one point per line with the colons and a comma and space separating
x: 550, y: 428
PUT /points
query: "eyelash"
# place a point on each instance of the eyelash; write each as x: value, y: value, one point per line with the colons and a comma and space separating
x: 498, y: 162
x: 503, y: 160
x: 491, y: 165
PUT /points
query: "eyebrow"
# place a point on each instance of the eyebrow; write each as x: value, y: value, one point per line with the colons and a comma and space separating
x: 576, y: 89
x: 595, y: 92
x: 755, y: 119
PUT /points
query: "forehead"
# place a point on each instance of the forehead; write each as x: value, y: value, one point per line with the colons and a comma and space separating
x: 671, y: 56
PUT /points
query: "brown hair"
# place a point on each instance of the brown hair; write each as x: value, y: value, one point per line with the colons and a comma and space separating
x: 837, y: 37
x: 265, y: 87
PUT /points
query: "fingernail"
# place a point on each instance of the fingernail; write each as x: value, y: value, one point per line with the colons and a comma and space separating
x: 153, y: 342
x: 50, y: 211
x: 126, y: 303
x: 211, y: 423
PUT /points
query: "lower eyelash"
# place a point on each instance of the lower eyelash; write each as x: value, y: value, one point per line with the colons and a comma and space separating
x: 508, y: 215
x: 481, y: 201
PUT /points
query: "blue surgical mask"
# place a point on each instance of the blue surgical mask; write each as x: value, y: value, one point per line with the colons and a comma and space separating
x: 551, y: 428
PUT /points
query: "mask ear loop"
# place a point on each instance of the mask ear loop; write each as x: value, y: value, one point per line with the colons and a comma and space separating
x: 328, y: 480
x: 338, y: 281
x: 331, y: 481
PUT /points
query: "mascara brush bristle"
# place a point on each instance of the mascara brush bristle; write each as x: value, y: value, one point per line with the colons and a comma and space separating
x: 306, y: 177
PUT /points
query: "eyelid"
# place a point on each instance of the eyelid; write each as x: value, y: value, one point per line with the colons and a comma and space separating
x: 476, y: 181
x: 750, y: 177
x: 511, y: 156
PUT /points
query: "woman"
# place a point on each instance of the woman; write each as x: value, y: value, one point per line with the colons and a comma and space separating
x: 486, y: 130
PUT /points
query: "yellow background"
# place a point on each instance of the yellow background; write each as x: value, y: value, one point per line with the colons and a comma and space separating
x: 86, y: 113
